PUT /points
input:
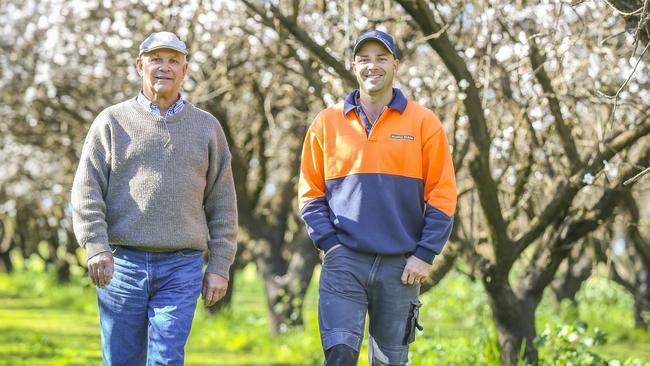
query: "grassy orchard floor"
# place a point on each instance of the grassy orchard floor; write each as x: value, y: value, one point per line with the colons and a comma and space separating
x: 45, y: 324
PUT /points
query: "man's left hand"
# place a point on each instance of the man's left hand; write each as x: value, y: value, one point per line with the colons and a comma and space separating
x: 415, y: 271
x: 214, y: 288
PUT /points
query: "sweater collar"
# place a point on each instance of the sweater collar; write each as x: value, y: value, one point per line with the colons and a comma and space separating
x: 398, y: 102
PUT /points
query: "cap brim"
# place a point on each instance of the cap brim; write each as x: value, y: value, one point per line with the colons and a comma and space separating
x: 361, y: 42
x: 163, y: 47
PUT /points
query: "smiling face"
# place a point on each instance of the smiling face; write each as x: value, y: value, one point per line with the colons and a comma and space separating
x: 162, y: 73
x: 375, y: 67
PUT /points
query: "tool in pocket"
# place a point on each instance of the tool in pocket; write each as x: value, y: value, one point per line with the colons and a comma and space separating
x: 412, y: 322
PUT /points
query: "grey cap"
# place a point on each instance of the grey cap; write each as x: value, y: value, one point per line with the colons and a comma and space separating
x: 159, y: 40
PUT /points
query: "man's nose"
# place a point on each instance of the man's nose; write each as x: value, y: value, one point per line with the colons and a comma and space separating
x: 164, y: 66
x: 372, y: 64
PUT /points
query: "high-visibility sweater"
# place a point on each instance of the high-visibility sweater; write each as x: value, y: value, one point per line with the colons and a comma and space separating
x: 389, y: 192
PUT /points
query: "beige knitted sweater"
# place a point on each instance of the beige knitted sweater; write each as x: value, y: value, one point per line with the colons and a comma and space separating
x: 156, y: 182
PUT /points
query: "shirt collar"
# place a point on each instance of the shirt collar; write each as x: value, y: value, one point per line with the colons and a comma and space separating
x: 398, y: 102
x: 153, y: 107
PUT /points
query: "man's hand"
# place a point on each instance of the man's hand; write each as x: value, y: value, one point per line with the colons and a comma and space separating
x: 100, y: 268
x: 415, y: 270
x: 214, y: 288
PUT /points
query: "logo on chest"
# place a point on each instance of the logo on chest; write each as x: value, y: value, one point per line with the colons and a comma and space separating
x: 401, y: 137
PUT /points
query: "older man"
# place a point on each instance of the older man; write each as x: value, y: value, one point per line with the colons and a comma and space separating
x: 152, y: 192
x: 377, y: 193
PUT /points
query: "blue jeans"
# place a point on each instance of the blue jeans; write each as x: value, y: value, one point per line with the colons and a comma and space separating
x: 353, y: 284
x: 147, y: 309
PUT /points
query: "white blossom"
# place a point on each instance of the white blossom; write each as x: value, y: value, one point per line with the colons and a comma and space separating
x: 618, y: 247
x: 504, y: 53
x: 610, y: 169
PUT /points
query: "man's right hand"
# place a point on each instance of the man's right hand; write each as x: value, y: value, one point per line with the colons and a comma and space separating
x: 100, y: 268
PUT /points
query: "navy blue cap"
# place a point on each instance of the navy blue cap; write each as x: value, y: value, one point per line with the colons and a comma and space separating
x: 376, y: 35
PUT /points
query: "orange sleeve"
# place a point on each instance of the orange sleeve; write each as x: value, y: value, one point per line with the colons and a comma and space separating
x: 438, y: 169
x: 312, y: 171
x: 312, y: 201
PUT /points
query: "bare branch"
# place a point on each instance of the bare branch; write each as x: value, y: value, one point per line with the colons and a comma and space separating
x: 564, y: 131
x: 299, y: 33
x: 540, y: 272
x: 636, y: 177
x: 569, y: 189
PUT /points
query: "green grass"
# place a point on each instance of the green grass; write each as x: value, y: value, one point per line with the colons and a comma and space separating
x: 35, y: 330
x: 43, y: 323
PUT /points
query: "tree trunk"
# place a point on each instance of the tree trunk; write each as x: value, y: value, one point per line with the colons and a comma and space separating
x: 641, y: 294
x: 285, y: 306
x: 633, y: 275
x: 5, y: 262
x: 62, y: 271
x: 67, y: 260
x: 578, y: 269
x: 6, y: 241
x: 514, y: 318
x: 285, y: 297
x: 60, y: 263
x: 286, y: 283
x: 641, y: 306
x: 641, y: 259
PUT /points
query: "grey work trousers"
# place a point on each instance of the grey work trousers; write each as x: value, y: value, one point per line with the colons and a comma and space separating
x: 353, y: 284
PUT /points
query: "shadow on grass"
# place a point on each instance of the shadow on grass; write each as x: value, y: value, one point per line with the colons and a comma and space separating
x: 20, y: 306
x: 27, y: 334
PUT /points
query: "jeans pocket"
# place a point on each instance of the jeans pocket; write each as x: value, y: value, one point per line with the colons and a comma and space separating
x: 412, y: 322
x: 335, y: 247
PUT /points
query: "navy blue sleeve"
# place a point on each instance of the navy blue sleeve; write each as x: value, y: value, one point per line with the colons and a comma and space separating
x: 316, y: 215
x: 436, y: 232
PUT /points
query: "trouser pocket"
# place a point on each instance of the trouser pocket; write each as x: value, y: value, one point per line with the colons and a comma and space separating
x: 412, y: 322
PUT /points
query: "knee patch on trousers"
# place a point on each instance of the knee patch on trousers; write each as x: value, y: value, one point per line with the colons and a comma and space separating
x: 383, y: 355
x: 340, y: 336
x: 341, y: 354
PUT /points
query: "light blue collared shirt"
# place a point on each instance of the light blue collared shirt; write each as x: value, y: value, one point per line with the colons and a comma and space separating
x: 398, y: 103
x: 152, y: 107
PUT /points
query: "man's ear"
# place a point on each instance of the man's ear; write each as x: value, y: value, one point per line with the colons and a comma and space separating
x: 396, y: 64
x: 138, y: 65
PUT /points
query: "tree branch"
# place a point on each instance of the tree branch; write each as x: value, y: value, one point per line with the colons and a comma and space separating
x: 540, y: 273
x: 639, y: 242
x: 318, y: 51
x: 564, y: 131
x: 569, y: 189
x: 635, y: 13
